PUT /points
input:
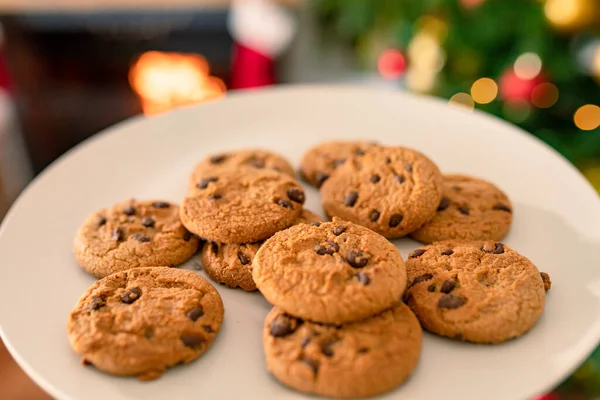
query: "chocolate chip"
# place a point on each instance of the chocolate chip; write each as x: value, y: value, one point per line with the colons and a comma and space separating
x: 141, y: 238
x: 149, y: 332
x: 131, y: 295
x: 305, y: 341
x: 297, y: 195
x: 316, y: 223
x: 244, y: 259
x: 161, y: 204
x: 214, y: 247
x: 422, y: 278
x: 409, y: 168
x: 148, y: 222
x: 444, y: 203
x: 448, y: 286
x: 339, y: 162
x: 456, y: 188
x: 285, y: 203
x: 187, y: 235
x: 129, y: 210
x: 388, y: 160
x: 417, y: 253
x: 195, y: 313
x: 85, y: 361
x: 101, y: 221
x: 97, y: 303
x: 400, y: 178
x: 208, y: 328
x: 359, y: 152
x: 191, y: 341
x: 215, y: 196
x: 447, y: 252
x: 338, y: 230
x: 546, y: 280
x: 218, y: 158
x: 327, y: 347
x: 362, y: 350
x: 395, y: 220
x: 374, y: 215
x: 334, y: 245
x: 258, y: 164
x: 203, y: 183
x: 363, y: 278
x: 312, y: 364
x: 117, y: 234
x: 321, y: 178
x: 502, y: 207
x: 431, y: 288
x: 451, y: 301
x: 282, y: 326
x: 464, y: 210
x: 493, y: 248
x: 375, y: 178
x: 322, y: 250
x: 350, y: 199
x: 357, y: 259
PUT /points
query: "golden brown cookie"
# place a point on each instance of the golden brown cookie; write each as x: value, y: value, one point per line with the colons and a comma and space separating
x: 255, y: 158
x: 470, y: 209
x: 231, y: 264
x: 144, y: 320
x: 242, y: 205
x: 318, y: 163
x: 354, y: 360
x: 335, y: 272
x: 391, y: 190
x: 477, y: 291
x: 133, y: 234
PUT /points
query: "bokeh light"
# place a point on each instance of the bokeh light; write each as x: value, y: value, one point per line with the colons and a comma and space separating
x: 516, y: 111
x: 528, y: 66
x: 433, y: 26
x: 424, y: 51
x: 484, y: 90
x: 391, y: 64
x: 420, y: 80
x: 462, y: 100
x: 544, y: 95
x: 587, y: 117
x: 596, y: 62
x: 569, y: 14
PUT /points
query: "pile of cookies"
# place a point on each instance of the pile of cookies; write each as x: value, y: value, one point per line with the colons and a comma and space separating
x: 346, y: 304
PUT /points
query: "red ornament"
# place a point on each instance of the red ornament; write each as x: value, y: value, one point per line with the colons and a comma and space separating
x: 549, y: 396
x: 391, y: 64
x: 514, y: 89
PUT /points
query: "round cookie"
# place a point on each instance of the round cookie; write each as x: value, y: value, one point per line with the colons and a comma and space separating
x: 477, y: 291
x: 255, y: 158
x: 354, y: 360
x: 335, y: 272
x: 242, y: 205
x: 318, y: 163
x: 470, y: 209
x: 144, y: 320
x: 231, y: 264
x: 391, y: 190
x: 133, y: 234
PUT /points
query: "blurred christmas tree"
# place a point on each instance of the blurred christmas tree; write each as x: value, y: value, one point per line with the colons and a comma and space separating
x: 534, y: 63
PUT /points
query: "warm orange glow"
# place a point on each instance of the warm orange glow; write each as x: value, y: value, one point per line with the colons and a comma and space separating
x: 167, y: 80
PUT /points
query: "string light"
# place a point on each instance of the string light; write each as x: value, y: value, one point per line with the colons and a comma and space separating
x: 544, y: 95
x: 462, y: 100
x: 587, y: 117
x: 569, y: 14
x: 528, y: 66
x: 425, y: 58
x: 391, y: 64
x: 484, y: 90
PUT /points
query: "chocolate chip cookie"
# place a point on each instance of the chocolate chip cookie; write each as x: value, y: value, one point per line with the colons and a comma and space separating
x: 133, y: 234
x: 231, y: 264
x: 478, y: 291
x: 391, y: 190
x: 470, y: 209
x: 142, y: 321
x: 334, y: 272
x: 255, y: 158
x: 242, y: 205
x: 354, y: 360
x: 320, y: 161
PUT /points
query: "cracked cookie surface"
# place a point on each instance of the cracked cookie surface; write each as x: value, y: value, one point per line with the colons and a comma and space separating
x: 141, y: 321
x: 242, y: 205
x: 391, y: 190
x: 358, y: 359
x: 478, y: 291
x: 335, y: 272
x: 133, y: 234
x: 470, y: 209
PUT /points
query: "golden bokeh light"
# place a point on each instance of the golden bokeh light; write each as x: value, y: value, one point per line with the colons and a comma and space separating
x: 424, y: 51
x: 462, y: 100
x: 544, y: 95
x: 484, y: 90
x: 596, y: 62
x: 528, y: 66
x: 587, y: 117
x: 433, y: 26
x: 569, y: 14
x: 420, y: 80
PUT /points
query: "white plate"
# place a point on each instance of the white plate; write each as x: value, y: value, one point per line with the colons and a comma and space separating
x: 557, y: 225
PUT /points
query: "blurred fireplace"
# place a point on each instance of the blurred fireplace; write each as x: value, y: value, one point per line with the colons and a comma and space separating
x: 72, y: 72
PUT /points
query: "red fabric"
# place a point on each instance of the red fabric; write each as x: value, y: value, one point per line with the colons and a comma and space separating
x: 5, y: 82
x: 250, y: 68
